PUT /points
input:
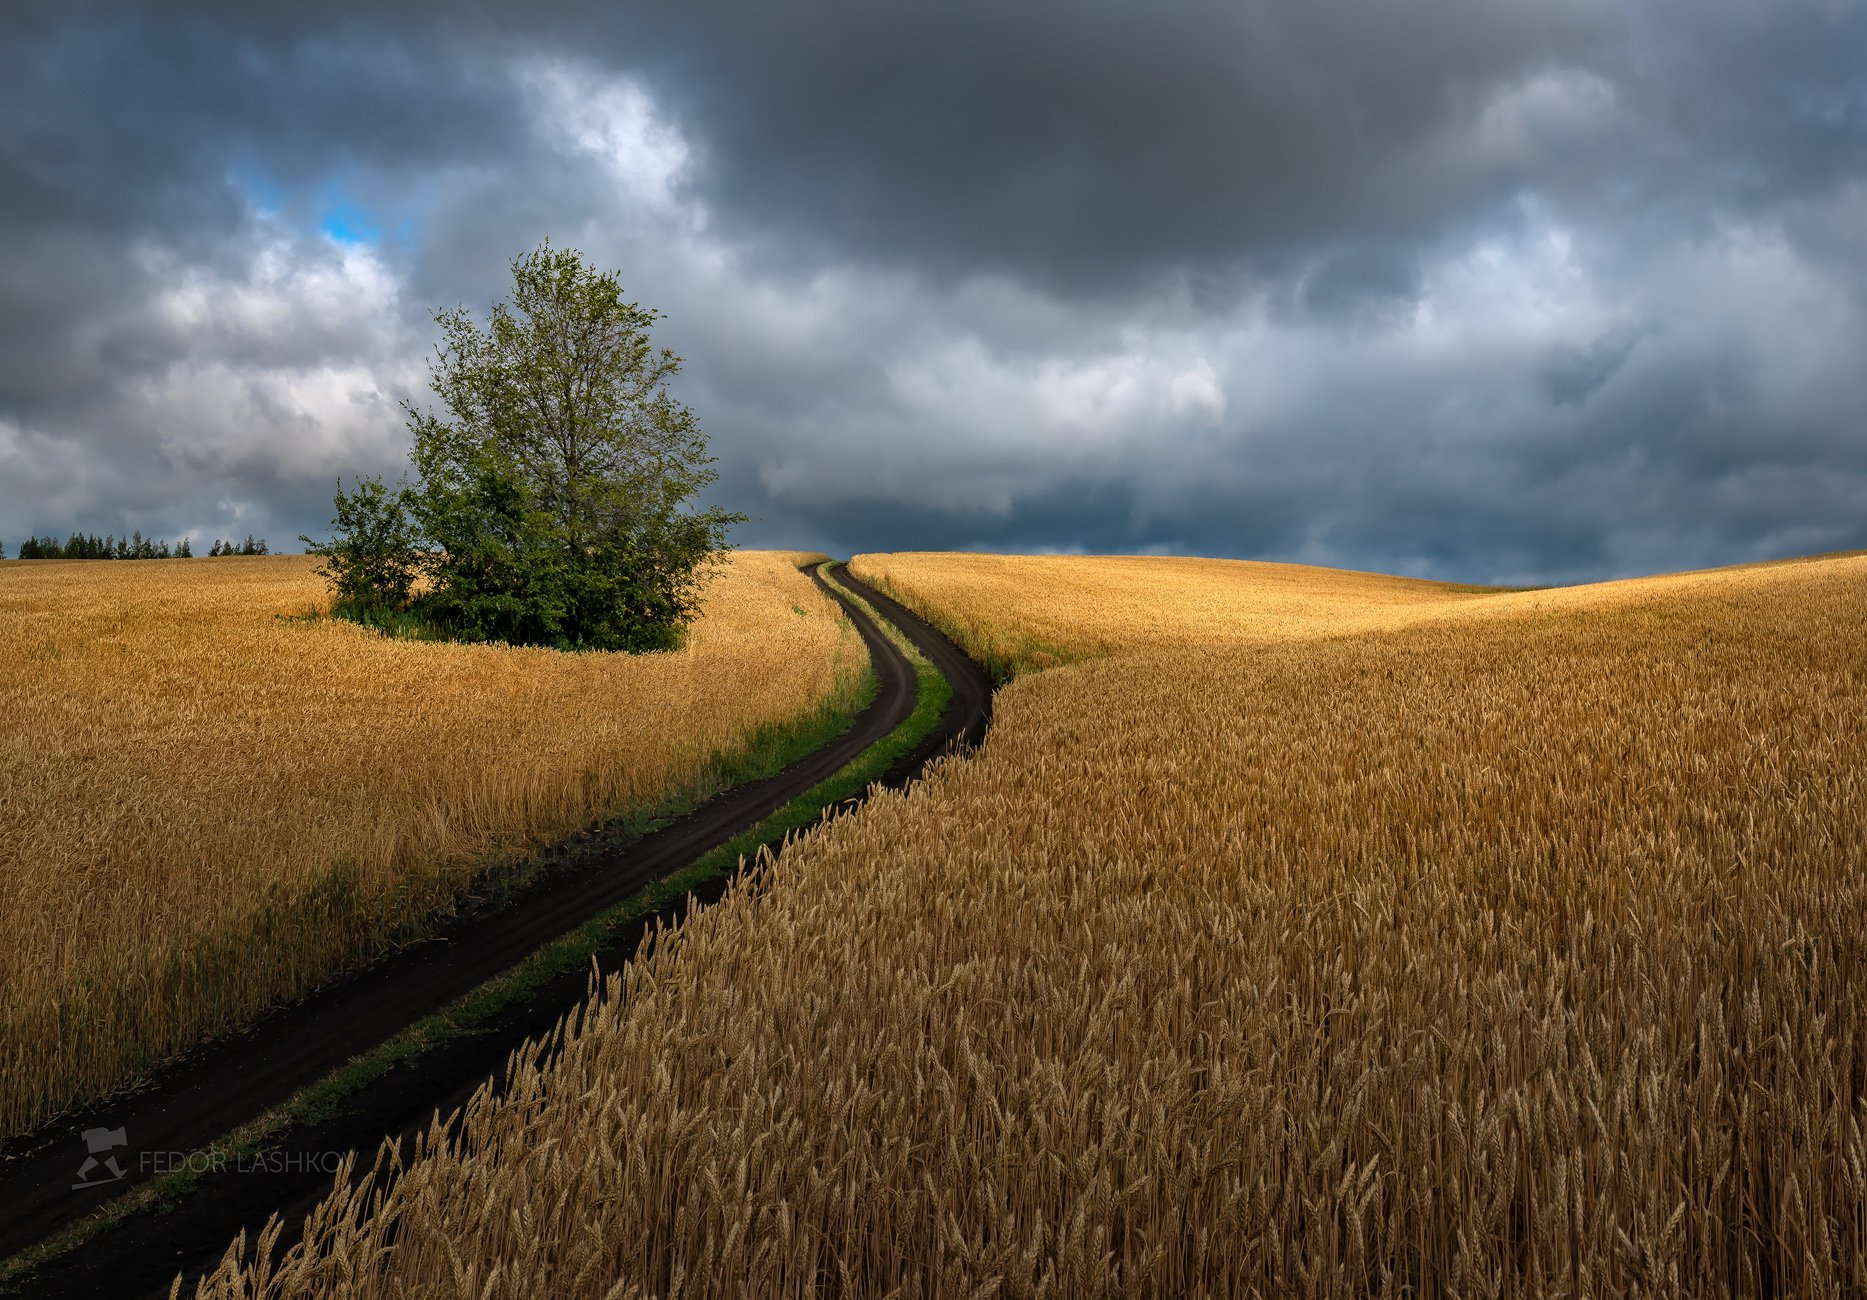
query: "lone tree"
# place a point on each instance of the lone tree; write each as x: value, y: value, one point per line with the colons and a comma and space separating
x: 553, y: 481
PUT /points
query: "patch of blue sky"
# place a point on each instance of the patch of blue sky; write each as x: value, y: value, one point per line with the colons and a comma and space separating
x: 349, y: 224
x: 329, y: 208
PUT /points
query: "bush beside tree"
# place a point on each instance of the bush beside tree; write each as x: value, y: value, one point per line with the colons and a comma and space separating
x: 373, y: 563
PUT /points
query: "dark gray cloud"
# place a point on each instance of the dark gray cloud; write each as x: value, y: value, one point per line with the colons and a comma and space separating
x: 1502, y: 291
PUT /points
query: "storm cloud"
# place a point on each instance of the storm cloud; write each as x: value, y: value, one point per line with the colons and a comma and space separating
x: 1497, y: 291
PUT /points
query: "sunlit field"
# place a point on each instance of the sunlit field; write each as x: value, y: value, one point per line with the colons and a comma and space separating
x: 208, y: 803
x: 1369, y: 938
x: 1021, y: 612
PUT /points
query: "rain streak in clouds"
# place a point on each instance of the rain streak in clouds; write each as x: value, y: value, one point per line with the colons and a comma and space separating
x: 1507, y: 292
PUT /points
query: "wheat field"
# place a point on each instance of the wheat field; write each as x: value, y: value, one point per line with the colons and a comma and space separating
x: 209, y: 804
x: 1402, y: 941
x: 1019, y: 613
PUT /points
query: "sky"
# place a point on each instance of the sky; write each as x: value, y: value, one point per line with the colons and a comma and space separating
x: 1513, y: 291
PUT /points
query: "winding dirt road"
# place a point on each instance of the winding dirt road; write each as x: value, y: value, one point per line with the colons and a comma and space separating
x: 231, y: 1082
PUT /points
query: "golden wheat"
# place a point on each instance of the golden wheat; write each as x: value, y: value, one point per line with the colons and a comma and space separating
x: 1018, y: 613
x: 206, y: 808
x: 1510, y: 945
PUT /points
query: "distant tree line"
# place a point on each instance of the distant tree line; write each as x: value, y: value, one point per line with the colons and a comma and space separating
x: 83, y: 546
x: 248, y: 547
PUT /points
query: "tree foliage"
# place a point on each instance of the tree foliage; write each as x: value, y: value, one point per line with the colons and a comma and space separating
x: 373, y: 567
x: 554, y: 477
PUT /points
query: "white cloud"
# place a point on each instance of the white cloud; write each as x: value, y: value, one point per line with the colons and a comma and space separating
x: 283, y: 294
x: 1196, y: 389
x: 613, y: 120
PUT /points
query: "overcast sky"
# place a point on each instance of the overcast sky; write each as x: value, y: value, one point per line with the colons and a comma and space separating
x: 1495, y: 290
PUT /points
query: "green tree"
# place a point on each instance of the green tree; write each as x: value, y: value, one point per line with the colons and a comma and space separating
x: 371, y: 562
x: 552, y: 506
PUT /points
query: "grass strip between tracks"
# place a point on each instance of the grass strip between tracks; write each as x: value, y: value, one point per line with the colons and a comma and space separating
x: 577, y: 949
